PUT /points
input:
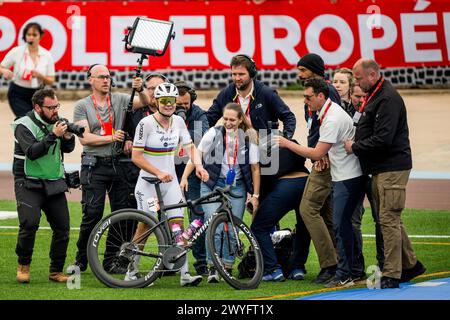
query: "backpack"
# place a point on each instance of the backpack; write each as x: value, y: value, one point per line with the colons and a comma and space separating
x: 283, y: 250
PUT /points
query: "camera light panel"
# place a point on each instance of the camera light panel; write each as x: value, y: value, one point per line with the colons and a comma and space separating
x: 151, y: 34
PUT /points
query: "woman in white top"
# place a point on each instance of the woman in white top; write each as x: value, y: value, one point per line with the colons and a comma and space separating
x: 33, y: 67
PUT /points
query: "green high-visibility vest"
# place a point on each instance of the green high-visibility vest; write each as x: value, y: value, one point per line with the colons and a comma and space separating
x: 47, y: 167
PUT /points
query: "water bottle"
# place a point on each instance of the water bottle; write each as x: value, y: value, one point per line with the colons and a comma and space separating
x: 189, y: 232
x: 176, y: 229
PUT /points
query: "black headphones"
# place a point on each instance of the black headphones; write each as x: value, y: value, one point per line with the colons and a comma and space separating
x: 155, y: 75
x: 89, y: 74
x: 252, y: 71
x: 191, y: 91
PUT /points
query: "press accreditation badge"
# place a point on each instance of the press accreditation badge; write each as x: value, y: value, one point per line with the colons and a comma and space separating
x: 231, y: 175
x: 356, y: 117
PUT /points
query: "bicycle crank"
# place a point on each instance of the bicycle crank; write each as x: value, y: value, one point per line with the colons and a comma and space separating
x: 174, y: 258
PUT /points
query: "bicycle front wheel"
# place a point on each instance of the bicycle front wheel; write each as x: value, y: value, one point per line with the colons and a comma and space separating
x: 229, y: 253
x: 125, y: 249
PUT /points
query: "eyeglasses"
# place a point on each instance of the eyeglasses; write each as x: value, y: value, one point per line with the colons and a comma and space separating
x: 102, y: 77
x: 308, y: 97
x: 167, y: 100
x: 52, y: 108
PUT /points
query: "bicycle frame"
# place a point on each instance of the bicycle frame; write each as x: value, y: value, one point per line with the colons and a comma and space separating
x: 164, y: 220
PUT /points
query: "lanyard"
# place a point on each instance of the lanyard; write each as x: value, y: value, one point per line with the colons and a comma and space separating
x: 325, y: 113
x: 236, y: 146
x: 108, y: 100
x: 366, y: 101
x: 247, y: 112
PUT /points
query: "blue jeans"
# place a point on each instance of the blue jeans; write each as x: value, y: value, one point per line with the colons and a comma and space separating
x: 198, y: 250
x: 238, y: 207
x: 347, y: 194
x: 284, y: 197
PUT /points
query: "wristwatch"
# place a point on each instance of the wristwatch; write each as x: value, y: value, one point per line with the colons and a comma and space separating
x: 255, y: 196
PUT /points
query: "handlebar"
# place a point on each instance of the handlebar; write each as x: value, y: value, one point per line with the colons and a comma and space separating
x: 216, y: 192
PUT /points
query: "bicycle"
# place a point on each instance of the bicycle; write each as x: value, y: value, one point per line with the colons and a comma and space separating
x: 156, y: 250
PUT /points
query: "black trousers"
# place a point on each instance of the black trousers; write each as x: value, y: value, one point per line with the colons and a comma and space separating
x: 106, y: 177
x: 20, y: 99
x: 30, y: 202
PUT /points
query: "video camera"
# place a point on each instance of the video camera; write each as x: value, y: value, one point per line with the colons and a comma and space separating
x: 72, y: 127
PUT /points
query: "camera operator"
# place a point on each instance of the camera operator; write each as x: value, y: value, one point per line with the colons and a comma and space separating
x: 39, y: 182
x: 101, y: 171
x: 197, y: 124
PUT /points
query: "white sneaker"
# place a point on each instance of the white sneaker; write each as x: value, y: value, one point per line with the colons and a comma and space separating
x: 213, y: 276
x: 133, y: 270
x: 188, y: 280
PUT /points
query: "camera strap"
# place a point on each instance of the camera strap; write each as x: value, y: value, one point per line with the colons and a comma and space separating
x: 44, y: 129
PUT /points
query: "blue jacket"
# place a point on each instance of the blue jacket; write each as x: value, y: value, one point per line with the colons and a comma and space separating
x: 265, y: 106
x: 194, y: 114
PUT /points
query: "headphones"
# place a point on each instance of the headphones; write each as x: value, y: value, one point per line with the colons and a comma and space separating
x: 190, y: 90
x: 89, y: 74
x: 252, y: 71
x: 155, y: 75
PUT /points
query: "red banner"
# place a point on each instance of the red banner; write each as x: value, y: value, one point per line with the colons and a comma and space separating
x: 275, y: 33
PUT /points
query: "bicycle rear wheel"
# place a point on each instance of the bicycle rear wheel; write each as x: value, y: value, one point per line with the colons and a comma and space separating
x: 137, y: 245
x: 226, y: 252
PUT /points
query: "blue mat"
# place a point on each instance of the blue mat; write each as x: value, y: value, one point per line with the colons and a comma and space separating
x: 438, y: 289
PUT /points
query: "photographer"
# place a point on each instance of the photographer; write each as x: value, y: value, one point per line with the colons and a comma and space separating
x: 197, y: 124
x: 101, y: 171
x: 39, y: 182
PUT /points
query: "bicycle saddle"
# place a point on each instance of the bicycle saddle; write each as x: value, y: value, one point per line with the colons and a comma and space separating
x: 152, y: 180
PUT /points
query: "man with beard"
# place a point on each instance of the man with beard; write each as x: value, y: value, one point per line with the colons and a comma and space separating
x: 39, y: 182
x: 260, y: 103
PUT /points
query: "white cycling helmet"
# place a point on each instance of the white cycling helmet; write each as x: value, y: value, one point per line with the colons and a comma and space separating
x: 166, y: 90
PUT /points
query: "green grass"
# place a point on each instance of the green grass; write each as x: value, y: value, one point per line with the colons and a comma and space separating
x: 434, y: 253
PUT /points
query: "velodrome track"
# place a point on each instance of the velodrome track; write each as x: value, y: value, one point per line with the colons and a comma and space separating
x: 429, y: 125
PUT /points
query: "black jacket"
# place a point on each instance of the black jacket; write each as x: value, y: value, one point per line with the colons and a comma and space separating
x: 266, y: 106
x: 194, y: 115
x: 382, y: 135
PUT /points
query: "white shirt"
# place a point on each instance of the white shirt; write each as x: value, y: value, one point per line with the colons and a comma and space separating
x: 245, y: 101
x: 19, y: 58
x: 205, y: 146
x: 336, y: 128
x: 160, y: 145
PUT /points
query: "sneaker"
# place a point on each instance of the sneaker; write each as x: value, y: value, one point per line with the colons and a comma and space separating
x: 336, y: 283
x: 23, y: 273
x: 80, y: 265
x: 297, y: 274
x: 389, y: 283
x: 187, y: 280
x: 325, y: 275
x: 276, y: 275
x: 409, y: 274
x: 58, y: 277
x: 213, y: 276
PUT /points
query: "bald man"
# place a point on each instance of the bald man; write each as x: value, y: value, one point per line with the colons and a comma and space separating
x: 102, y: 172
x: 382, y: 146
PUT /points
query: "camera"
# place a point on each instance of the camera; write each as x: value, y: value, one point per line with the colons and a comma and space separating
x: 72, y: 179
x: 72, y: 127
x: 180, y: 111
